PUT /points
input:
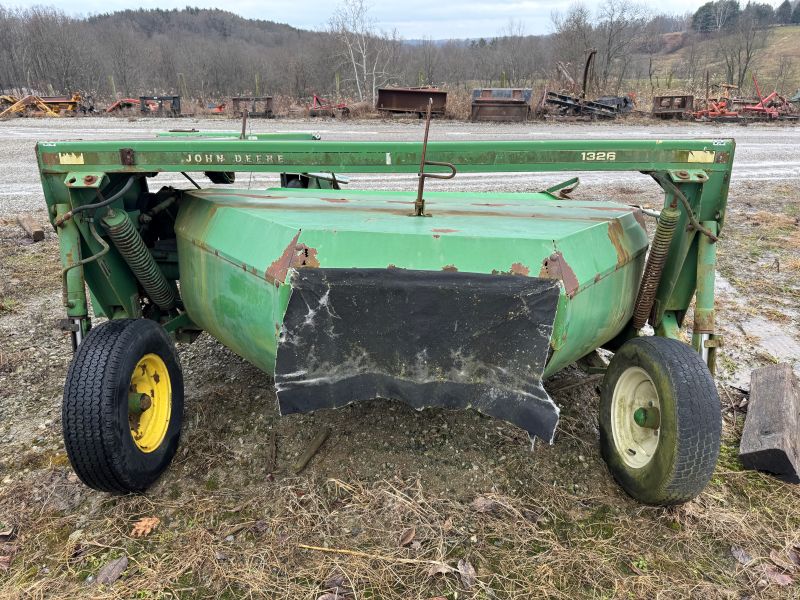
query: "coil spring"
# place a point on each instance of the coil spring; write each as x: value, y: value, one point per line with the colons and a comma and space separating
x: 655, y: 264
x: 132, y: 248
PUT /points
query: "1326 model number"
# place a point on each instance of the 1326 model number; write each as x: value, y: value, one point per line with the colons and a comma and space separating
x: 598, y: 156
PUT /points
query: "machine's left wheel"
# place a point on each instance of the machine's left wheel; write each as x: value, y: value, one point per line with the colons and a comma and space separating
x: 123, y: 406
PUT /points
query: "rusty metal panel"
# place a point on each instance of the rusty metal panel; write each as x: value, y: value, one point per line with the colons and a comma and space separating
x: 257, y: 106
x: 672, y: 106
x: 500, y: 104
x: 411, y: 100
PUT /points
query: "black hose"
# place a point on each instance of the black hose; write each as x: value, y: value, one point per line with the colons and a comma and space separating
x: 103, y: 201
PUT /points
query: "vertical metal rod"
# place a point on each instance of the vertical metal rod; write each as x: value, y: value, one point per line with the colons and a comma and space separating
x: 419, y: 204
x: 244, y: 124
x: 74, y: 288
x: 703, y: 328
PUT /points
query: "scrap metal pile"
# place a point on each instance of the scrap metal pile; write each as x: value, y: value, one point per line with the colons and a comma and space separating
x: 42, y: 106
x: 501, y: 104
x: 772, y: 107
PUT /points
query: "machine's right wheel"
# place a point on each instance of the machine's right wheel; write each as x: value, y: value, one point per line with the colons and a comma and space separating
x: 123, y: 406
x: 660, y: 420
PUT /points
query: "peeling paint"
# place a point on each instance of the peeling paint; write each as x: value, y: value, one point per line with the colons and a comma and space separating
x: 616, y: 233
x: 520, y: 269
x: 294, y: 256
x: 276, y: 272
x: 555, y: 267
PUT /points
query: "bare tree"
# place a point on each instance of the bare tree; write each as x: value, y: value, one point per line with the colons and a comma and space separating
x: 740, y: 46
x: 620, y: 24
x: 574, y: 33
x: 430, y: 58
x: 369, y: 54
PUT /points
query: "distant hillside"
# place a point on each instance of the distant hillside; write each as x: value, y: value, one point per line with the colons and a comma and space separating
x: 777, y: 64
x: 213, y: 23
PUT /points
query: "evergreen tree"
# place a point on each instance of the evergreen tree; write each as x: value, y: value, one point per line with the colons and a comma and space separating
x: 796, y: 14
x: 783, y: 14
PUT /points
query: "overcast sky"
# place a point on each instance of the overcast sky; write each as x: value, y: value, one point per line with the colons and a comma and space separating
x: 413, y: 19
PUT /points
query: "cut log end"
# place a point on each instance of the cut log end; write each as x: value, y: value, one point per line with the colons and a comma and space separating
x: 772, y: 427
x: 31, y: 227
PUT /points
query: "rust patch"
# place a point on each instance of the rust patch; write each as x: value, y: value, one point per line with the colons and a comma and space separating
x: 555, y: 267
x: 276, y: 272
x: 305, y: 257
x: 295, y: 256
x: 335, y: 200
x: 444, y: 231
x: 639, y: 216
x: 520, y: 269
x: 449, y: 268
x: 616, y: 233
x: 516, y: 269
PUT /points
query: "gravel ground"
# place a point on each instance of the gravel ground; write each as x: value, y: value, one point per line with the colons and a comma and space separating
x: 764, y: 152
x: 453, y: 455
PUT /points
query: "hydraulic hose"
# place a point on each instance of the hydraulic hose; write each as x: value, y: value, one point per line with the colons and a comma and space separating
x: 667, y: 222
x: 133, y: 249
x: 103, y: 201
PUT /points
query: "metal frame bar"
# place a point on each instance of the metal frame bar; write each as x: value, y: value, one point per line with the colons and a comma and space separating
x: 697, y: 169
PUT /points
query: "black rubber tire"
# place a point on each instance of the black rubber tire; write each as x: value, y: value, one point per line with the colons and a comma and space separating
x: 95, y: 408
x: 691, y: 422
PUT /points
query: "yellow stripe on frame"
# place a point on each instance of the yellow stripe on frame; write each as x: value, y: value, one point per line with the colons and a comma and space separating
x: 701, y: 156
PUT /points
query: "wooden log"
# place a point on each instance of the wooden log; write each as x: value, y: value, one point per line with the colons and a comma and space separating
x: 31, y: 227
x: 771, y: 436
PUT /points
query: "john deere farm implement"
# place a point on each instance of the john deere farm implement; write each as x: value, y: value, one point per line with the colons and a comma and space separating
x: 446, y: 299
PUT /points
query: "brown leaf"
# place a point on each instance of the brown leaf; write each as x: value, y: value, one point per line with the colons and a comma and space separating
x: 777, y: 577
x: 447, y: 525
x: 794, y: 556
x: 7, y: 534
x: 468, y: 574
x: 407, y: 537
x: 482, y: 504
x: 5, y: 563
x: 781, y: 562
x: 741, y: 555
x: 439, y: 569
x: 111, y: 571
x: 144, y: 526
x: 334, y: 581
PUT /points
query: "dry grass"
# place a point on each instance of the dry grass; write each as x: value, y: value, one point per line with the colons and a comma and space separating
x: 548, y: 543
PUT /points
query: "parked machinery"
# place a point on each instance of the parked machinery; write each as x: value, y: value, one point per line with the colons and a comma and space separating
x: 500, y: 104
x: 435, y: 298
x: 673, y: 107
x: 411, y: 100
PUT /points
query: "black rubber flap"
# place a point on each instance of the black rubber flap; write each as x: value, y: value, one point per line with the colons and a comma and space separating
x: 449, y: 339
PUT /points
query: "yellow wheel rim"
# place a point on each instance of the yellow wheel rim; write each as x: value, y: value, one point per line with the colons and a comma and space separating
x: 149, y: 426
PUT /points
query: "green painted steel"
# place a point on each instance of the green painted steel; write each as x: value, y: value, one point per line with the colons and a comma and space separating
x: 229, y: 239
x: 230, y: 242
x: 235, y: 135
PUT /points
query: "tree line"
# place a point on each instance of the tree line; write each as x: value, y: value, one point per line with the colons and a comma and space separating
x: 213, y: 54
